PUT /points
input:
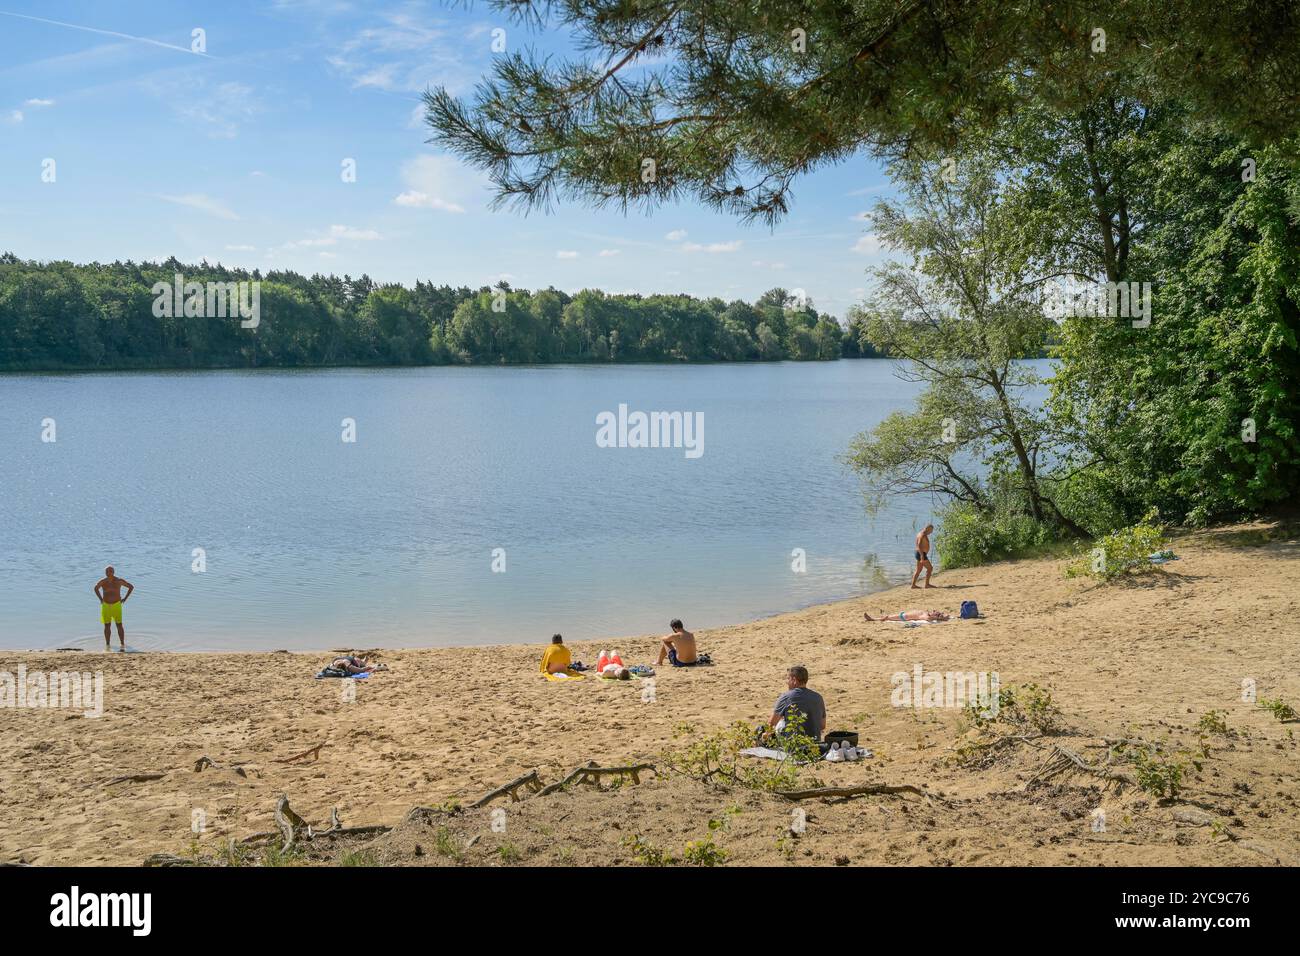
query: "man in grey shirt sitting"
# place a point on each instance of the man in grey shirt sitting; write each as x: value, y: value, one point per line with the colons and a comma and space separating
x: 799, y: 699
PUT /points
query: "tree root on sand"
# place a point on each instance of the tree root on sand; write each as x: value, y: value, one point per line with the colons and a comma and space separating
x: 590, y: 774
x: 862, y: 791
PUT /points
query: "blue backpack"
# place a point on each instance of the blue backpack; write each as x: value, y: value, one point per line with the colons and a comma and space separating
x: 969, y: 609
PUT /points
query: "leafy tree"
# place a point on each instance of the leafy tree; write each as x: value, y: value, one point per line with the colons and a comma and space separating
x: 960, y: 317
x: 731, y: 102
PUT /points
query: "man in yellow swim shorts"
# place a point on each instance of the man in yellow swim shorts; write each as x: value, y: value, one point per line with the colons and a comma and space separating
x: 111, y: 599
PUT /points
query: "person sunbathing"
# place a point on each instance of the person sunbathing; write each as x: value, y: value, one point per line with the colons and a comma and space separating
x: 907, y: 616
x: 610, y: 667
x: 351, y: 664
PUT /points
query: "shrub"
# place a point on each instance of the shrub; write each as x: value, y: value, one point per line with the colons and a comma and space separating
x: 971, y: 537
x: 1214, y: 722
x: 1279, y: 708
x: 1158, y: 773
x: 1121, y: 552
x: 716, y: 757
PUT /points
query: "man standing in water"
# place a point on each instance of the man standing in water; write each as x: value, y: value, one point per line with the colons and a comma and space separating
x: 111, y: 599
x: 923, y: 556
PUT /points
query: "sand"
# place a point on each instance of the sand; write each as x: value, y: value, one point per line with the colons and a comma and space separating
x: 1142, y: 658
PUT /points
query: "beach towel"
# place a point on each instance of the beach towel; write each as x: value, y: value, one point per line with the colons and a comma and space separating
x: 642, y: 670
x: 339, y: 672
x: 701, y: 660
x: 766, y: 753
x: 1162, y: 557
x: 563, y: 676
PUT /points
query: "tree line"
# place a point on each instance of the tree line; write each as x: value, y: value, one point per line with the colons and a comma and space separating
x: 61, y: 315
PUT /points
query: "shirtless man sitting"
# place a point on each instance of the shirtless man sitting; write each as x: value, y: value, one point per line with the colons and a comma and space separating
x: 923, y: 556
x: 678, y: 647
x: 908, y: 616
x: 111, y: 599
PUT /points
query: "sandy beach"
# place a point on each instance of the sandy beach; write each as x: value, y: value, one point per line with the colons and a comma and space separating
x: 1142, y: 658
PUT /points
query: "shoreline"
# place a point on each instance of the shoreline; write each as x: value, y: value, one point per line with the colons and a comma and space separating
x: 1147, y: 657
x: 444, y: 647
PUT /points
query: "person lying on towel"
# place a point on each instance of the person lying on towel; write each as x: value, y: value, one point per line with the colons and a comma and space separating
x: 907, y: 616
x: 352, y: 664
x: 610, y: 667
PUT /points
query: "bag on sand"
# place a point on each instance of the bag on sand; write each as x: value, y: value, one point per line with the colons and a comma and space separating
x: 969, y: 609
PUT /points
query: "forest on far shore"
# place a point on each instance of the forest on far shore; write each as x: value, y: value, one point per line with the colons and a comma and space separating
x: 62, y: 316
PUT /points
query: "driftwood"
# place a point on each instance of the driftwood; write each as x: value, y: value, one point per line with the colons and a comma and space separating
x: 293, y: 829
x: 205, y: 761
x: 591, y: 774
x: 1063, y: 760
x: 291, y: 825
x: 863, y: 790
x: 168, y: 859
x: 135, y: 778
x: 313, y: 752
x: 529, y: 780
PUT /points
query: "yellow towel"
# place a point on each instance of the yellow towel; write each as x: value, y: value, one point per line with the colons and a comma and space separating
x: 555, y: 655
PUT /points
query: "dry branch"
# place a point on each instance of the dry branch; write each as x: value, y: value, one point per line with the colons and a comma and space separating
x: 863, y: 790
x: 529, y: 780
x: 313, y: 752
x: 135, y: 778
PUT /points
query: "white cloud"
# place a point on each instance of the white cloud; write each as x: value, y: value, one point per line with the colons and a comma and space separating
x: 333, y: 236
x: 711, y: 247
x: 404, y: 51
x: 415, y: 199
x: 868, y: 245
x: 566, y: 254
x: 606, y: 253
x: 677, y: 235
x: 16, y: 116
x: 203, y: 203
x: 440, y: 183
x: 39, y: 102
x: 360, y: 235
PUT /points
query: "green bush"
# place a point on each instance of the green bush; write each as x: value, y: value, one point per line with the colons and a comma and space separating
x: 1121, y: 552
x: 970, y: 537
x: 1092, y: 502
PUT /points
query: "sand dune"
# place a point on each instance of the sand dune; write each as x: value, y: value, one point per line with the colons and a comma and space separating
x: 1142, y: 658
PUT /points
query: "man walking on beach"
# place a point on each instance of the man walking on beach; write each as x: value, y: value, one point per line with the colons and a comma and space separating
x: 111, y: 599
x: 923, y: 556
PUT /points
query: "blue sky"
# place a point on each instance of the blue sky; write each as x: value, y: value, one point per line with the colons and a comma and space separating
x: 236, y: 156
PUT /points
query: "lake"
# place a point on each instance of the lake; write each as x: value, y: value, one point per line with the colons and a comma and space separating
x: 474, y: 506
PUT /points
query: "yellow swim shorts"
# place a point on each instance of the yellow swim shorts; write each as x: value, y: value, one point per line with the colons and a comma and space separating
x: 109, y: 613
